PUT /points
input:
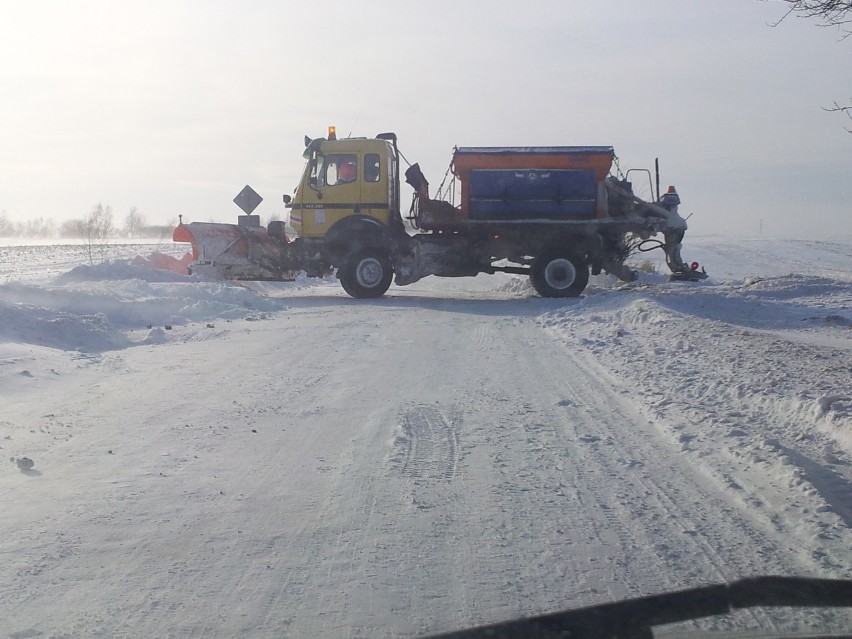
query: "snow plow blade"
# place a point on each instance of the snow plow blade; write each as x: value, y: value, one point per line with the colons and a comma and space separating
x: 228, y: 251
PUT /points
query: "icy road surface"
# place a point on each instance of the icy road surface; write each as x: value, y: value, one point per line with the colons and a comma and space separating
x: 286, y: 461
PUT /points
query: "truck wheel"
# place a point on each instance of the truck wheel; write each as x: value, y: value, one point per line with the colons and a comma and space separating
x: 559, y: 273
x: 366, y: 274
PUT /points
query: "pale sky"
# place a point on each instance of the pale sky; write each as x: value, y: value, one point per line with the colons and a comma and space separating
x: 172, y: 107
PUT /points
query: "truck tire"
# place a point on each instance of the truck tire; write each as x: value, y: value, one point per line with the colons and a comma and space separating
x: 559, y: 273
x: 365, y: 274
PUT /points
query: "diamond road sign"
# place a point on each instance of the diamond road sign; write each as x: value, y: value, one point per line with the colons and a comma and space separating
x: 248, y: 199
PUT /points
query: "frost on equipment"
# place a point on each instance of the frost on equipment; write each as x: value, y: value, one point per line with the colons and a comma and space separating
x: 553, y: 213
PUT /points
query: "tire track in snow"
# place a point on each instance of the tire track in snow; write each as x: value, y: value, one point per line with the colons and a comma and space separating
x: 658, y: 522
x: 429, y: 443
x: 692, y: 529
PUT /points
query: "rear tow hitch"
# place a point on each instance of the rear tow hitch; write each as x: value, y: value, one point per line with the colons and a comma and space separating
x: 689, y: 274
x: 681, y: 271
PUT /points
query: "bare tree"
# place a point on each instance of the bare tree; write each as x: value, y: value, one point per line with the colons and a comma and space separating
x: 830, y: 13
x: 134, y: 222
x: 7, y: 227
x: 73, y: 229
x: 98, y: 228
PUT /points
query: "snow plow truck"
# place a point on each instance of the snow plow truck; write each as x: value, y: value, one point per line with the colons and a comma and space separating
x: 552, y: 213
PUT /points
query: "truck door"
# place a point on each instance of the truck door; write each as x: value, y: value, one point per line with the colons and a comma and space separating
x: 375, y: 193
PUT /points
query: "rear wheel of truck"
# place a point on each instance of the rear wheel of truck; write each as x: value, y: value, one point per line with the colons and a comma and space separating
x: 366, y: 274
x: 559, y: 273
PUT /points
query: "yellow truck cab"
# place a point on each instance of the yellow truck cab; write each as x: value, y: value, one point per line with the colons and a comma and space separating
x: 349, y: 178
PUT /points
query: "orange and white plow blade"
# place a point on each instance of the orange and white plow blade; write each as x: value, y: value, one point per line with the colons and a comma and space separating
x: 227, y: 251
x: 164, y: 262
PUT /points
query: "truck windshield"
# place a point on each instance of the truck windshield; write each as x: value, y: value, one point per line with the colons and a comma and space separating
x: 317, y: 168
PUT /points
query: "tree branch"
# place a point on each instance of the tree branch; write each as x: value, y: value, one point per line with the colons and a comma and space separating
x: 831, y: 13
x: 837, y: 108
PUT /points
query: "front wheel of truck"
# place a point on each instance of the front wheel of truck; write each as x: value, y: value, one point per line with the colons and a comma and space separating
x: 366, y: 274
x: 559, y: 273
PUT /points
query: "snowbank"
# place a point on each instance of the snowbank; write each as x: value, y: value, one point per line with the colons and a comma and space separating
x: 104, y: 306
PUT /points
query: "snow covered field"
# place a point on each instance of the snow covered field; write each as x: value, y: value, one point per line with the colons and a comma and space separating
x: 214, y: 460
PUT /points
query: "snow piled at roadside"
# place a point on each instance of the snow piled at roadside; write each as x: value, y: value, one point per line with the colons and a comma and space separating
x: 751, y: 378
x: 117, y: 304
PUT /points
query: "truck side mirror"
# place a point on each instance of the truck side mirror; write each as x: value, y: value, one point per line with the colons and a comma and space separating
x: 287, y: 199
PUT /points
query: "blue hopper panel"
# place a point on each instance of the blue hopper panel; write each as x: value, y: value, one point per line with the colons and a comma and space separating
x: 503, y: 194
x: 532, y: 210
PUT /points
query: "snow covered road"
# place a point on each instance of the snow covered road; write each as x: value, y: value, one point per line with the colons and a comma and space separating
x: 453, y: 454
